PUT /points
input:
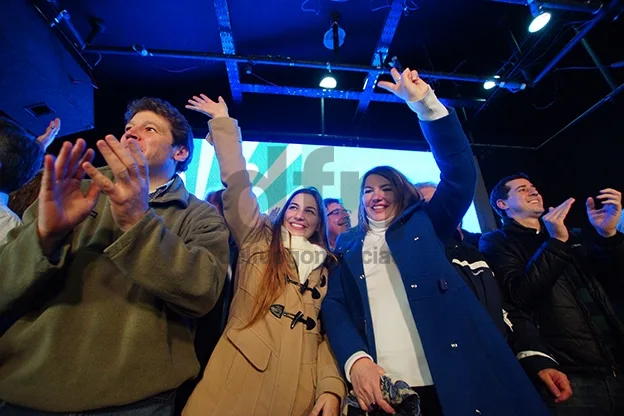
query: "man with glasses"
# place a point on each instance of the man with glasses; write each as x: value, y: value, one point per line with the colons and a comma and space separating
x: 338, y: 219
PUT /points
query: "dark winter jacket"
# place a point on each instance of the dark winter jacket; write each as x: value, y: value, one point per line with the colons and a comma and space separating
x: 562, y: 285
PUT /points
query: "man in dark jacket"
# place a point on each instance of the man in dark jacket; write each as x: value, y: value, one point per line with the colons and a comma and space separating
x: 515, y: 325
x: 559, y: 276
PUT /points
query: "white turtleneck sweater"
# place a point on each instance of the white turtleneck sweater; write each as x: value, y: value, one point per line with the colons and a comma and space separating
x: 399, y: 348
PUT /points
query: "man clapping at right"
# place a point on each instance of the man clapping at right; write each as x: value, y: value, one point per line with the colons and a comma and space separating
x: 561, y: 276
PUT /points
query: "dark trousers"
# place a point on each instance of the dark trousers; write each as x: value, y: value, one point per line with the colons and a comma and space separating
x: 593, y: 393
x: 429, y: 404
x: 159, y: 405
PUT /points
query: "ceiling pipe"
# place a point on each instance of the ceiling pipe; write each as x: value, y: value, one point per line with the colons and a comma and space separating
x: 590, y: 6
x: 279, y: 61
x: 347, y: 95
x: 226, y: 34
x: 580, y: 34
x: 358, y: 141
x: 381, y: 52
x: 587, y: 112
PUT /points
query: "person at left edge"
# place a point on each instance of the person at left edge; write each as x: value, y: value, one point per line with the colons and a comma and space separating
x: 105, y: 276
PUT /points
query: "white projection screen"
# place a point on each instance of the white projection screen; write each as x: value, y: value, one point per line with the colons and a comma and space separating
x: 280, y: 168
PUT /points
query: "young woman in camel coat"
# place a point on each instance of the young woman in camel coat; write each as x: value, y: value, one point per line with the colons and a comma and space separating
x: 272, y: 358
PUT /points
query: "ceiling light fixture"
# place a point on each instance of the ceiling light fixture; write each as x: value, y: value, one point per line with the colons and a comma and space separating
x: 491, y: 83
x: 335, y: 36
x: 328, y: 82
x: 540, y: 17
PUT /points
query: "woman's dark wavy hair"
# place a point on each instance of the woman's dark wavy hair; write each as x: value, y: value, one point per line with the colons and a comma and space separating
x: 405, y: 193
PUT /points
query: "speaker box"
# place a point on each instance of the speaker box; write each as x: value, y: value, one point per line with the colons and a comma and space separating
x: 39, y: 77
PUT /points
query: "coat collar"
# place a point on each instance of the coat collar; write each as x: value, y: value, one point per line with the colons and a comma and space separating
x: 511, y: 224
x: 349, y: 245
x: 347, y: 241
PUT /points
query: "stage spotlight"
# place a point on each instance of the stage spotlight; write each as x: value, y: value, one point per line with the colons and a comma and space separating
x: 329, y: 82
x: 540, y: 17
x: 491, y: 83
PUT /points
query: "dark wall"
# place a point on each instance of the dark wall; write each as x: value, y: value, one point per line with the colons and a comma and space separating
x: 37, y: 69
x: 586, y: 159
x: 578, y: 163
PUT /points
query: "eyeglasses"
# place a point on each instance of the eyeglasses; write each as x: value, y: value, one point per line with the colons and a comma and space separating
x: 339, y: 211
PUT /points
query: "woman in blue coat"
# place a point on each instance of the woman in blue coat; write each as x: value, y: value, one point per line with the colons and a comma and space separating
x: 395, y: 305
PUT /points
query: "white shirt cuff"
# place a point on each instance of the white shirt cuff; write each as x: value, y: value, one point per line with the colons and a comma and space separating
x: 527, y: 354
x: 356, y: 356
x: 429, y: 108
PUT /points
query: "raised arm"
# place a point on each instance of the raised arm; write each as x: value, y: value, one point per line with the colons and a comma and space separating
x: 240, y: 205
x: 450, y: 148
x: 458, y: 173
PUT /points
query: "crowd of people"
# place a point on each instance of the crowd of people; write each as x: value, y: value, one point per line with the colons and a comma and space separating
x: 124, y: 294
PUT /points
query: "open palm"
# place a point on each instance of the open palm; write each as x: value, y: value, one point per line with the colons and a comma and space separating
x: 205, y: 105
x: 62, y: 204
x: 605, y: 219
x: 50, y: 134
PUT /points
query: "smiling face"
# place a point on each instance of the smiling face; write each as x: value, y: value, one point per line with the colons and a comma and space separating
x: 338, y: 220
x: 378, y: 198
x: 301, y: 217
x: 523, y: 200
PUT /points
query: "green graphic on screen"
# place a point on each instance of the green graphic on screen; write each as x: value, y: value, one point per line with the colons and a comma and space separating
x: 277, y: 169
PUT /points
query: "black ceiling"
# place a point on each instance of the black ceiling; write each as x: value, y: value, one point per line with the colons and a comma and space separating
x: 474, y: 37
